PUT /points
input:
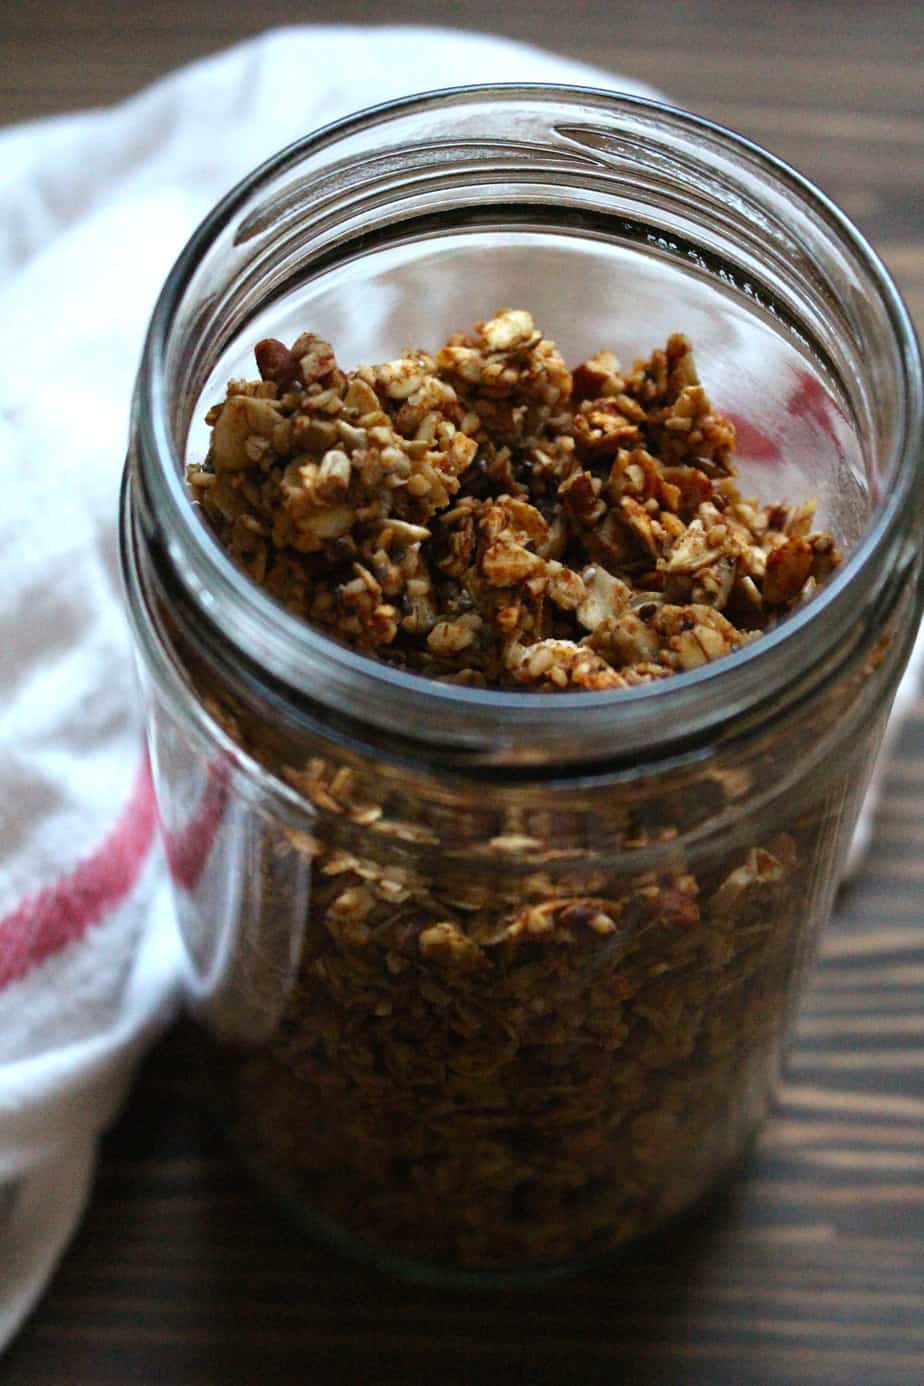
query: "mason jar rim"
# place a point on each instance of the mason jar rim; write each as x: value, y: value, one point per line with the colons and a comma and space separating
x: 529, y: 727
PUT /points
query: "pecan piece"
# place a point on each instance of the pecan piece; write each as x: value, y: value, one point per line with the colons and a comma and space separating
x: 275, y: 361
x: 788, y: 567
x: 601, y: 428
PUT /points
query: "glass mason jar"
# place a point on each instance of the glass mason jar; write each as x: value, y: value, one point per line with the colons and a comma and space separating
x: 494, y: 982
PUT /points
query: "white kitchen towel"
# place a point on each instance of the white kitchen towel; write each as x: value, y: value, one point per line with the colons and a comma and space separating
x: 93, y: 209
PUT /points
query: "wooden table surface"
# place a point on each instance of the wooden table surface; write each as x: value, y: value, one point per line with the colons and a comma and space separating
x: 811, y: 1268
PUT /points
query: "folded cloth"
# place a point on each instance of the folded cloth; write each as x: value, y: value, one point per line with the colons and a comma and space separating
x: 94, y: 209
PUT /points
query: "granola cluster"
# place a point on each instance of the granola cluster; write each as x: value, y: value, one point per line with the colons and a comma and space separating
x: 486, y: 516
x: 520, y: 1031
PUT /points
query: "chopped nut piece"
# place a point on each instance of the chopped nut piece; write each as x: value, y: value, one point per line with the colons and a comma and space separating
x: 560, y: 664
x: 511, y: 330
x: 597, y: 378
x: 315, y: 357
x: 787, y: 570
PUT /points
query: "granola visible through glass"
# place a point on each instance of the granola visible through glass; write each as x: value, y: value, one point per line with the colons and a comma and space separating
x: 501, y: 1049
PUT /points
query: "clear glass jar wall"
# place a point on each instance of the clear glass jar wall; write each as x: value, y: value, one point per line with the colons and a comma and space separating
x: 494, y: 982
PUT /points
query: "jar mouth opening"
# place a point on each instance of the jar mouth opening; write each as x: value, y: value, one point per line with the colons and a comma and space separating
x: 529, y: 725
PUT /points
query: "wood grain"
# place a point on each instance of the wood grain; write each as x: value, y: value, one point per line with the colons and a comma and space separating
x: 810, y: 1267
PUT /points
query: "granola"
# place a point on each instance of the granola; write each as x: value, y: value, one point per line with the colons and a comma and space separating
x: 503, y: 1045
x: 488, y: 517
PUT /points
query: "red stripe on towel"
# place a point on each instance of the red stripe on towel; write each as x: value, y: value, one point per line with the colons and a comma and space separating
x: 811, y: 400
x: 188, y: 851
x: 62, y: 913
x: 751, y: 441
